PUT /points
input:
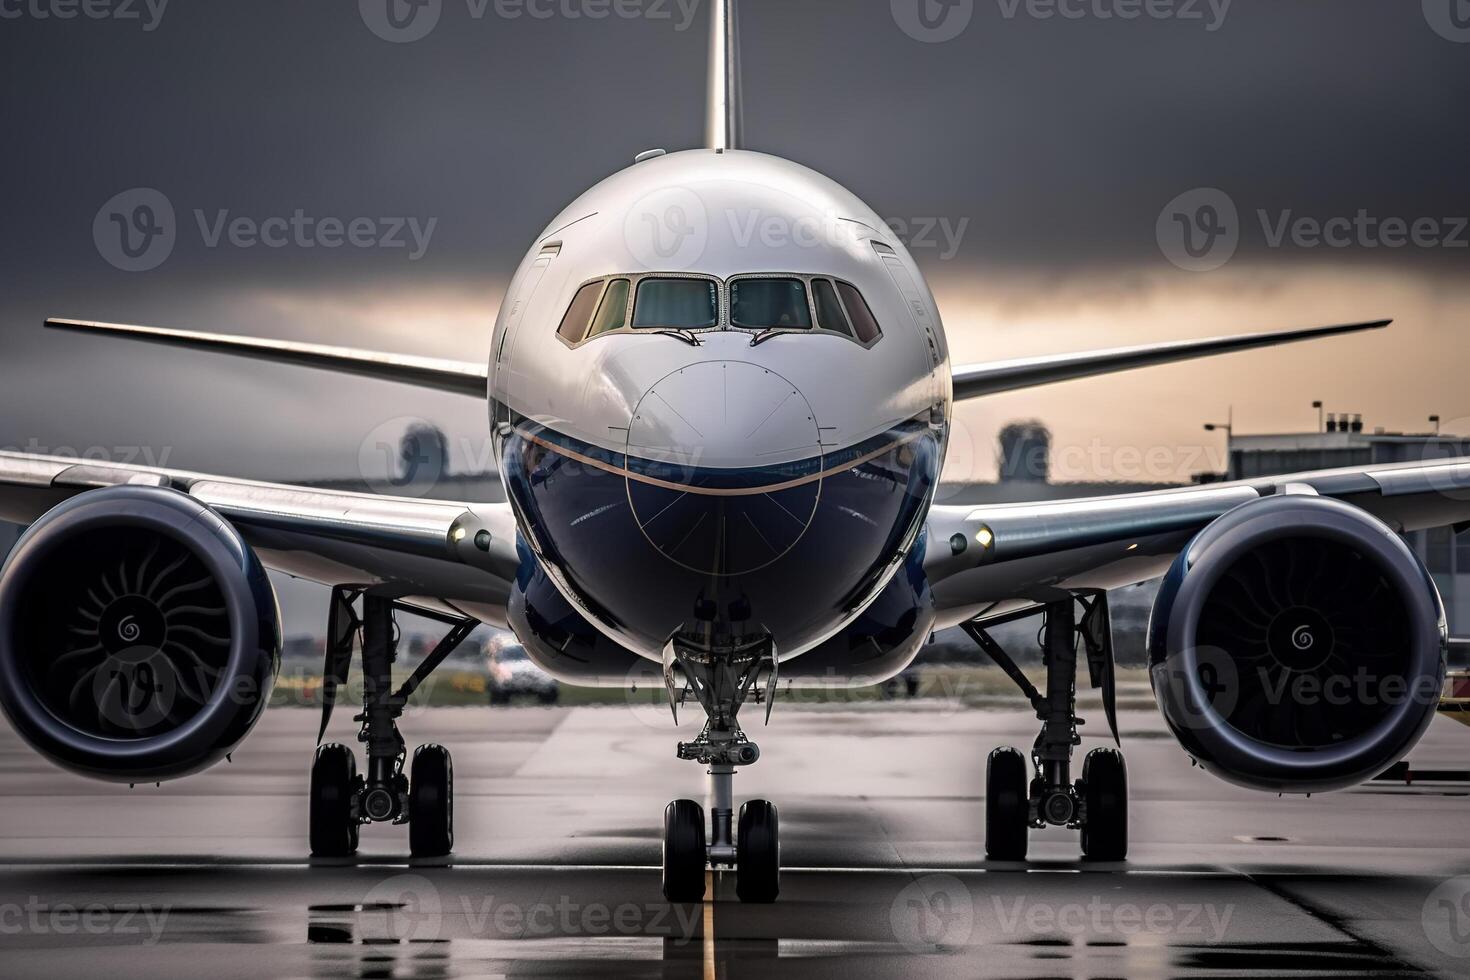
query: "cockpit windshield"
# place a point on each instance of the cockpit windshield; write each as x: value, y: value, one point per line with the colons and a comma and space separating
x: 769, y: 304
x: 676, y: 304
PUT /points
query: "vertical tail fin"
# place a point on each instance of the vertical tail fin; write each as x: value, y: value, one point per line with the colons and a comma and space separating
x: 726, y: 123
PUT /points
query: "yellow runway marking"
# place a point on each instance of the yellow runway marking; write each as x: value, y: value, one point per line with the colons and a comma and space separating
x: 709, y: 925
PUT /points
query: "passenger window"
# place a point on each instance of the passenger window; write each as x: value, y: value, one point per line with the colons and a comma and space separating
x: 863, y: 323
x: 676, y: 304
x: 829, y: 310
x: 574, y: 325
x: 769, y: 304
x: 613, y: 313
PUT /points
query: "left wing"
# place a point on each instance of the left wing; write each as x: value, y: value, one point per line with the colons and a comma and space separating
x: 456, y: 377
x: 986, y: 560
x: 457, y: 558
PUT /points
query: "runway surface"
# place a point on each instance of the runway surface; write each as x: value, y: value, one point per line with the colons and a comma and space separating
x: 882, y: 825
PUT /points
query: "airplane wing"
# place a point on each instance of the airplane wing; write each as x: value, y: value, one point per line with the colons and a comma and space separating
x: 455, y: 558
x: 456, y: 377
x: 988, y: 560
x: 974, y: 380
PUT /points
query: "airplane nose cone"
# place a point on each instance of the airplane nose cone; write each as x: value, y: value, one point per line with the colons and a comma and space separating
x: 724, y: 414
x: 724, y: 466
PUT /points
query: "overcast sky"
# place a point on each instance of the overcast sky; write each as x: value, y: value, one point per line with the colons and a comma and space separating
x: 1037, y: 156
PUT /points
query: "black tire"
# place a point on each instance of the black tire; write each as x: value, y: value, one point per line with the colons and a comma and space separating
x: 431, y: 802
x: 551, y: 696
x: 333, y: 783
x: 758, y: 853
x: 1007, y: 806
x: 499, y: 697
x: 684, y: 852
x: 1105, y: 789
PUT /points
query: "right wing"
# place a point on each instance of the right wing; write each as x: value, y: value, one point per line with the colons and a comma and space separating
x: 457, y: 558
x: 456, y: 377
x: 986, y: 560
x: 974, y: 380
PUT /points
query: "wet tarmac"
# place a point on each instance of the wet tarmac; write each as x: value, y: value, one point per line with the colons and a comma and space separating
x: 882, y: 825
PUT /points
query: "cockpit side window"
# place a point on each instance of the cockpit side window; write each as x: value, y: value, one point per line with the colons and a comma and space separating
x: 574, y: 325
x: 613, y: 313
x: 829, y: 308
x: 676, y: 304
x: 769, y: 304
x: 864, y: 324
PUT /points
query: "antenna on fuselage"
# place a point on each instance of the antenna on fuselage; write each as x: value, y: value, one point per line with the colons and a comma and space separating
x: 725, y: 125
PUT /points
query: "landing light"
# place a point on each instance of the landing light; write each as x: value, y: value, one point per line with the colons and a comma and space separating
x: 458, y: 534
x: 985, y: 538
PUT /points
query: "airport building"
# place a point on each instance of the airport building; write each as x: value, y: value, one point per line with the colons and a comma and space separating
x: 1344, y: 441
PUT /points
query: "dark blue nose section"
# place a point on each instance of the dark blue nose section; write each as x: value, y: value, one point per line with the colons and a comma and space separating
x: 724, y: 467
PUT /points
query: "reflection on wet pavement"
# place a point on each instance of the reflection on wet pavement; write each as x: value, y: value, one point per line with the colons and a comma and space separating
x: 555, y: 869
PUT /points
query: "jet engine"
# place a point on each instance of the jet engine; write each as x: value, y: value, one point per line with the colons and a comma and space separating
x: 139, y: 635
x: 1297, y: 645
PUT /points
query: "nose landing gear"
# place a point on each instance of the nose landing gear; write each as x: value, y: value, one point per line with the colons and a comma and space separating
x: 721, y: 679
x: 1096, y: 804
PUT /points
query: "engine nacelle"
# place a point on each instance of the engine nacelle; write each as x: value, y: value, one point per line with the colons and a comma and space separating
x: 139, y: 635
x: 1297, y: 645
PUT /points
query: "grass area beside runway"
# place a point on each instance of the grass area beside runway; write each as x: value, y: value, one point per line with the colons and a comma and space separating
x: 959, y: 686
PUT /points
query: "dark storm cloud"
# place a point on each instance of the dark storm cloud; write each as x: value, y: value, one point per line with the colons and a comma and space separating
x: 1053, y: 141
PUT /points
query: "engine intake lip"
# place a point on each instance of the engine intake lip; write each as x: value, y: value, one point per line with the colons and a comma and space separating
x: 248, y: 668
x: 1193, y: 683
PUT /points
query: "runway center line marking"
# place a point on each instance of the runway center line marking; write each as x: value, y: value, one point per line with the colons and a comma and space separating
x: 709, y: 925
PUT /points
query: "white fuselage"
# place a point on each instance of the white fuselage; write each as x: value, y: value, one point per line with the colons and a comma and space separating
x: 708, y: 417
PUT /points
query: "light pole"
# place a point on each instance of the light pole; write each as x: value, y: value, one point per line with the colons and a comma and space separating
x: 1435, y: 420
x: 1321, y: 421
x: 1229, y: 429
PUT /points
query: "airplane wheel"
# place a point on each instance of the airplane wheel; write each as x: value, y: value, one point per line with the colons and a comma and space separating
x: 1007, y: 806
x: 431, y: 802
x: 685, y: 857
x: 334, y: 832
x: 1105, y: 788
x: 758, y: 853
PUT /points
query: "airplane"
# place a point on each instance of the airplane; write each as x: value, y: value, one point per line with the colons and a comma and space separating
x: 720, y: 448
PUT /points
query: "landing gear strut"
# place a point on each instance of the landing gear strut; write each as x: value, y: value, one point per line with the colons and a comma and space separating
x: 1096, y: 804
x: 721, y: 678
x: 342, y: 800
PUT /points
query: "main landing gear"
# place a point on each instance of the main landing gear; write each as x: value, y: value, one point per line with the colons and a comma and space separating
x: 1096, y: 804
x: 721, y: 678
x: 342, y: 800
